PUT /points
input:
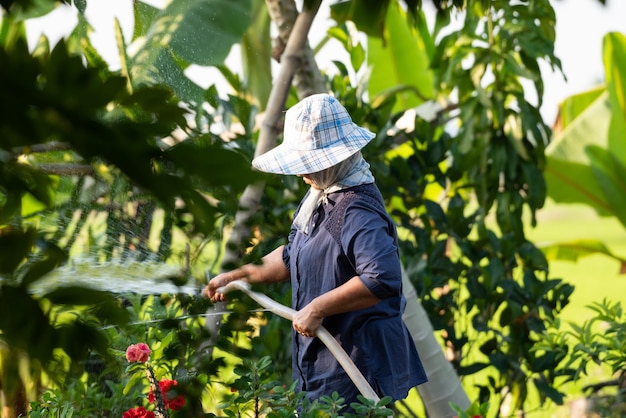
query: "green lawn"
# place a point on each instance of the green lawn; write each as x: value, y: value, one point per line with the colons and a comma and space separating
x: 595, y: 277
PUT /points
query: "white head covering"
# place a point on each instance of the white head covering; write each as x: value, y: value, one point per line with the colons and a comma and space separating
x: 349, y: 173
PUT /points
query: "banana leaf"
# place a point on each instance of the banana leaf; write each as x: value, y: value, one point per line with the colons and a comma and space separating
x: 586, y: 162
x: 185, y: 32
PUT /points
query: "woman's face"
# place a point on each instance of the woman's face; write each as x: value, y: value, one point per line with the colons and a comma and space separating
x: 307, y: 179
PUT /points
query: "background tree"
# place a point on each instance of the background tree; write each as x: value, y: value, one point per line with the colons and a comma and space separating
x: 480, y: 151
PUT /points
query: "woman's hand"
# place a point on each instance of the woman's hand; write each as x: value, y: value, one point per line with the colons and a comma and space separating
x: 307, y: 320
x: 271, y: 270
x: 350, y: 296
x: 221, y: 280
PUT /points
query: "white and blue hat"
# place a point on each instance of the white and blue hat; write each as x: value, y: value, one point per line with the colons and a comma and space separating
x: 319, y: 133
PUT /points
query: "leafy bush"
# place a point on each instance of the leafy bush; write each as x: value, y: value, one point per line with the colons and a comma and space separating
x: 174, y: 331
x: 599, y: 341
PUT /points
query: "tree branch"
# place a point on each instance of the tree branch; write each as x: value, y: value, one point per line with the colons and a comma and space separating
x: 67, y: 169
x: 271, y: 127
x: 47, y: 147
x: 292, y: 62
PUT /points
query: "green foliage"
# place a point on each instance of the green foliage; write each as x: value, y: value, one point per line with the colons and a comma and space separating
x: 25, y: 9
x: 108, y: 386
x: 174, y: 331
x: 255, y: 394
x: 50, y: 407
x: 576, y: 249
x: 586, y: 160
x: 64, y: 116
x: 47, y: 332
x: 474, y: 411
x: 482, y: 152
x: 397, y: 51
x: 57, y: 98
x: 501, y: 136
x: 170, y: 40
x: 599, y: 341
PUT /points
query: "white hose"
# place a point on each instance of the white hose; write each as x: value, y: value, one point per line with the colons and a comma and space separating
x: 322, y: 333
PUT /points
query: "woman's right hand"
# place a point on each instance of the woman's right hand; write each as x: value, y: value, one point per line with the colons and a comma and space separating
x: 272, y: 269
x: 221, y: 280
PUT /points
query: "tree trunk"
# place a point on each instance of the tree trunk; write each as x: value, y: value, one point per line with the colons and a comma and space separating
x: 307, y: 78
x: 443, y: 386
x: 297, y: 51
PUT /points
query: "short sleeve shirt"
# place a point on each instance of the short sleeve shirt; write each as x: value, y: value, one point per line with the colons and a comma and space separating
x: 350, y: 235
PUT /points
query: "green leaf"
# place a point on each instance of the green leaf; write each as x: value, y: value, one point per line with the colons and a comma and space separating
x: 614, y: 52
x: 573, y: 106
x: 27, y: 327
x: 188, y: 32
x: 356, y: 50
x: 199, y: 31
x: 144, y: 14
x: 401, y: 58
x: 77, y: 295
x: 24, y: 10
x: 256, y: 55
x: 169, y: 70
x: 587, y: 160
x: 533, y: 257
x: 436, y: 214
x: 15, y: 245
x: 472, y: 368
x: 547, y: 390
x: 212, y: 163
x: 535, y: 185
x: 121, y: 46
x: 368, y: 16
x: 11, y: 31
x: 489, y: 346
x: 569, y: 175
x: 77, y: 339
x: 610, y: 175
x: 48, y: 259
x: 576, y: 249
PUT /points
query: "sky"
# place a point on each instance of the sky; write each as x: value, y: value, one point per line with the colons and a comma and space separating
x: 581, y: 26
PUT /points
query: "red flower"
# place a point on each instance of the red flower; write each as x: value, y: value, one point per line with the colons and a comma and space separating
x: 138, y: 412
x: 138, y: 353
x: 164, y: 386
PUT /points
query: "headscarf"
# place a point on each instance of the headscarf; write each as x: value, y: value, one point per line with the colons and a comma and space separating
x: 351, y: 172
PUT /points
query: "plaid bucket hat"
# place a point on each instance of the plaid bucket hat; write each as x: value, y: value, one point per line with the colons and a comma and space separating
x: 318, y: 134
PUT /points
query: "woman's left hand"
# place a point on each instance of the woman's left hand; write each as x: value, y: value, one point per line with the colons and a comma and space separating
x: 307, y: 320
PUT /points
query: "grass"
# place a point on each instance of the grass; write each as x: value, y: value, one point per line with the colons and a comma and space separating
x: 595, y: 277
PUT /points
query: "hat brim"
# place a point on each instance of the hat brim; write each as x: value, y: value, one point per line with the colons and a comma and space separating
x: 285, y: 160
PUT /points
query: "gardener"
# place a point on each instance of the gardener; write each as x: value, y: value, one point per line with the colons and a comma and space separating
x: 341, y: 256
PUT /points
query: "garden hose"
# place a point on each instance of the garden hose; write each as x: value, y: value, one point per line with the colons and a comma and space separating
x: 322, y: 333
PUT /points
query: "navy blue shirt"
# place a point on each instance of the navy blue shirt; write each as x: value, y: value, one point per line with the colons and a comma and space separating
x: 352, y: 235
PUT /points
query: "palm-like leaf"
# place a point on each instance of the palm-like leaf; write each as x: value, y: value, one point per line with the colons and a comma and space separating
x: 586, y: 162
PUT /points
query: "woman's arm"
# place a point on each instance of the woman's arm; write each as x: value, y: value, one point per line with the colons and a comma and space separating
x: 350, y: 296
x: 272, y: 269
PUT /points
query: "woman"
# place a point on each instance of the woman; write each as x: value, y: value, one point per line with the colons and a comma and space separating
x: 341, y: 257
